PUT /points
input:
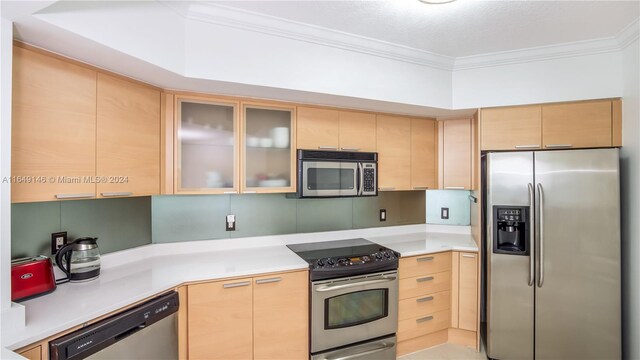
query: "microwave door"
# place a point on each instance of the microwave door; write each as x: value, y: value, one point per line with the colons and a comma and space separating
x: 327, y: 178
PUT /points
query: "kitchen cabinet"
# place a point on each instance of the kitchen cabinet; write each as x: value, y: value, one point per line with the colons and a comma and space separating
x: 425, y: 301
x: 34, y: 353
x: 577, y: 125
x: 512, y: 128
x: 264, y: 317
x: 468, y: 291
x: 268, y: 148
x: 394, y: 152
x: 329, y: 129
x: 423, y: 154
x: 53, y: 148
x: 207, y: 149
x: 456, y: 154
x: 128, y: 138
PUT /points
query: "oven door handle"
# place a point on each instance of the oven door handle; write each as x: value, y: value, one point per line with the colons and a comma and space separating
x: 332, y: 287
x: 385, y: 346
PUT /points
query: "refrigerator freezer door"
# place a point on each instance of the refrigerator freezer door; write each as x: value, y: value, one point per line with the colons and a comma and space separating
x: 509, y: 296
x: 578, y: 305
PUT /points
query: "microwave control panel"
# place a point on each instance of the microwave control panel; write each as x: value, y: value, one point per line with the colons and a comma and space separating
x: 369, y: 179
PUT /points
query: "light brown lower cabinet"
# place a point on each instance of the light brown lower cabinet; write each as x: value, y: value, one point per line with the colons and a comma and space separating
x: 250, y: 318
x: 34, y: 353
x: 468, y: 291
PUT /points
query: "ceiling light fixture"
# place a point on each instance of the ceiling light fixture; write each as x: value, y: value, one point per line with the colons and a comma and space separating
x: 436, y: 2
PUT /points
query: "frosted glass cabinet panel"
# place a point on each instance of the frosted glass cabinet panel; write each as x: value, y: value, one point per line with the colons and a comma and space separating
x: 269, y: 149
x: 207, y: 146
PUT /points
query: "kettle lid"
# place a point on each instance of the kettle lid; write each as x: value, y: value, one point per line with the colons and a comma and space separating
x: 86, y: 240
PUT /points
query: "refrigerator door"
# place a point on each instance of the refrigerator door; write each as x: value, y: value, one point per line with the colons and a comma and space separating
x: 578, y: 283
x: 509, y: 295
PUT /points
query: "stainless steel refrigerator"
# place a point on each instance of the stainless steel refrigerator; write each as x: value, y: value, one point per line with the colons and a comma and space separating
x: 552, y: 250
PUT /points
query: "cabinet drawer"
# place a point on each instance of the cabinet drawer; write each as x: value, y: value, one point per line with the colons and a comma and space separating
x: 424, y: 305
x: 424, y: 285
x: 411, y: 328
x: 424, y: 264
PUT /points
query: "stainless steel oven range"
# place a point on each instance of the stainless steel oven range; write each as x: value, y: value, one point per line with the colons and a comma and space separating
x: 354, y: 299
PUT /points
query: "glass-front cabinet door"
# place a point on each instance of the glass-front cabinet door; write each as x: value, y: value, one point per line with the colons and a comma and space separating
x: 207, y: 146
x: 268, y: 155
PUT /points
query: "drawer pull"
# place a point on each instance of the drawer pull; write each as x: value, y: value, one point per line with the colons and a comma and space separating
x: 428, y: 278
x: 328, y: 147
x: 426, y: 318
x: 454, y: 188
x: 230, y: 192
x: 74, y: 196
x: 555, y: 146
x: 249, y: 192
x: 235, y: 285
x: 469, y: 256
x: 350, y: 149
x: 420, y: 188
x: 387, y: 188
x: 121, y: 193
x: 267, y: 281
x: 527, y: 146
x: 424, y: 299
x: 428, y: 258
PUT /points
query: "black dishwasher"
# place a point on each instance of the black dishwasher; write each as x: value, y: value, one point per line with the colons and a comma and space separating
x: 146, y: 331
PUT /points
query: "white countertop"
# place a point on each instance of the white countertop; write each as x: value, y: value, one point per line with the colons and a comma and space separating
x: 136, y: 274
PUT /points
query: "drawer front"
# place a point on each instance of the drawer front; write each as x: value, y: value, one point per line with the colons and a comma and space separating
x: 424, y: 264
x: 411, y: 328
x: 424, y: 285
x: 424, y: 305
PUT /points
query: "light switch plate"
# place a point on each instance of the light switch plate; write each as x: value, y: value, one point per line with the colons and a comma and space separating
x: 383, y: 214
x: 444, y: 213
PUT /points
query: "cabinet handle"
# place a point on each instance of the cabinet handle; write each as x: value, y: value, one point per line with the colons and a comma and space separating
x: 350, y: 149
x: 387, y: 188
x: 428, y: 258
x: 328, y: 147
x: 235, y: 285
x: 469, y: 256
x: 424, y: 299
x: 555, y: 146
x: 428, y: 278
x: 267, y: 281
x: 74, y: 196
x: 426, y: 318
x: 454, y: 187
x: 527, y: 146
x: 420, y: 188
x: 121, y: 193
x: 249, y: 192
x: 230, y: 192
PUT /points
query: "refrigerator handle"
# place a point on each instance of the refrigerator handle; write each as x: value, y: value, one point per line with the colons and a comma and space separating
x: 541, y: 237
x: 532, y: 240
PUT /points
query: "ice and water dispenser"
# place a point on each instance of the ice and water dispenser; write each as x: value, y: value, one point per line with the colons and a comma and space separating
x: 511, y: 230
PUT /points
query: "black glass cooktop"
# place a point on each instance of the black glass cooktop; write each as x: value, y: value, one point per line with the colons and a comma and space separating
x: 331, y: 259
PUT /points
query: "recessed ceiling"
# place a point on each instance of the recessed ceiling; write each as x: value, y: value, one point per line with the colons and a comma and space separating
x: 459, y: 28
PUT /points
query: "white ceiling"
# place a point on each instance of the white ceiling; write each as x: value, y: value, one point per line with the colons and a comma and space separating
x: 460, y: 28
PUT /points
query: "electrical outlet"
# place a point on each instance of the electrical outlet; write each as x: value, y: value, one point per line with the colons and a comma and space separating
x: 444, y: 213
x: 231, y: 223
x: 383, y: 214
x: 58, y: 240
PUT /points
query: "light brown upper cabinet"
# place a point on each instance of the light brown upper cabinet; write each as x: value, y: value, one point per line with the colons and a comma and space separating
x: 357, y: 131
x: 512, y: 128
x: 128, y: 138
x: 53, y: 147
x: 423, y: 154
x: 268, y: 152
x: 318, y: 128
x: 577, y: 125
x: 394, y: 152
x: 207, y: 149
x: 328, y: 129
x: 456, y: 154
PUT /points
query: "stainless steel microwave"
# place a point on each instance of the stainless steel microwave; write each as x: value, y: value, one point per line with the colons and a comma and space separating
x: 337, y: 174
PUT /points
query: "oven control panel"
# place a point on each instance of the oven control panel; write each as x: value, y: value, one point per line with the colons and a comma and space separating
x: 354, y: 261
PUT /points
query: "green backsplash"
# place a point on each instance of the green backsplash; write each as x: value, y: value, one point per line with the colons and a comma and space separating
x: 129, y: 222
x: 118, y: 223
x: 201, y: 217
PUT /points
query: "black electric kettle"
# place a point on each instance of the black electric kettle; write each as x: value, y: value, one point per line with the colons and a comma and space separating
x: 80, y: 260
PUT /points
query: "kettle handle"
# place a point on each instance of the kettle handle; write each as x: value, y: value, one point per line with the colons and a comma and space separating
x: 60, y: 259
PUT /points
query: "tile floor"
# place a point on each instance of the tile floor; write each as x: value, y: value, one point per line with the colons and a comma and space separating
x: 446, y: 352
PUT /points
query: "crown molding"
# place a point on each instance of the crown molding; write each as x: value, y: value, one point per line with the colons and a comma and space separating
x: 265, y: 24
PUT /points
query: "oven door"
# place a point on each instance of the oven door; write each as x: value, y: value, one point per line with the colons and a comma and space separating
x: 348, y: 310
x: 329, y: 178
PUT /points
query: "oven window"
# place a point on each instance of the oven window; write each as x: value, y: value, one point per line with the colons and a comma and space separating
x: 355, y: 308
x: 330, y: 179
